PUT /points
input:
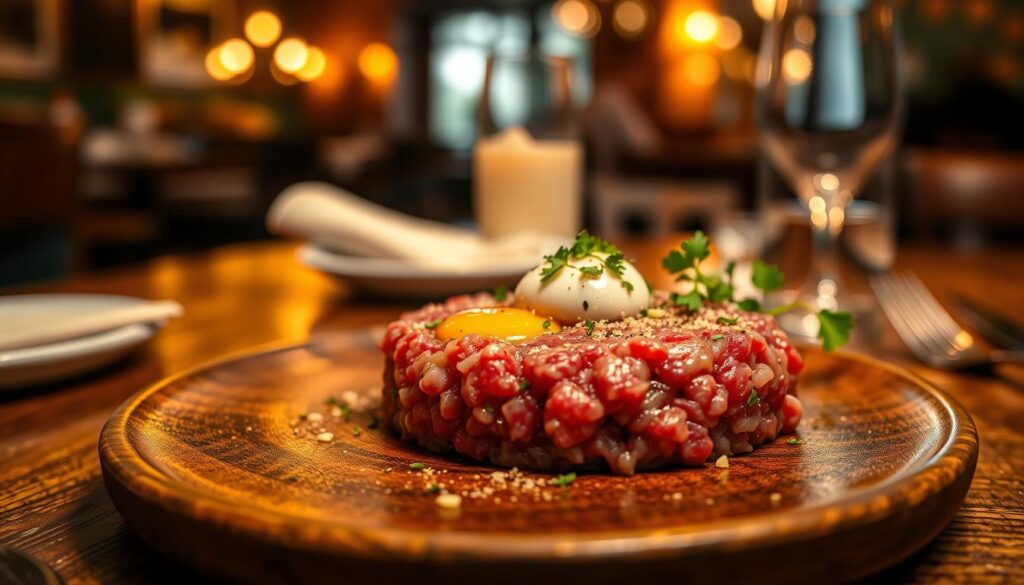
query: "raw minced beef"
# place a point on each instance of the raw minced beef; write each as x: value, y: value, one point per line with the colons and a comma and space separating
x: 634, y: 394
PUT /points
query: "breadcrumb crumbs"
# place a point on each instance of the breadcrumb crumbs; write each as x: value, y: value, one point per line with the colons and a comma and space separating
x: 448, y: 501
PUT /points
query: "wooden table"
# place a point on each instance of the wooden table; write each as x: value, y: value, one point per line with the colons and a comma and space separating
x: 53, y: 503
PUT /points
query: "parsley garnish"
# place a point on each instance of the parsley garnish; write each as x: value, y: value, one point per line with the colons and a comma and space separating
x: 433, y: 488
x: 432, y: 324
x: 587, y: 246
x: 589, y: 326
x: 753, y: 399
x: 356, y: 431
x: 727, y: 320
x: 417, y: 466
x: 564, y: 480
x: 488, y: 408
x: 546, y: 324
x: 717, y: 337
x: 524, y: 384
x: 346, y: 411
x: 684, y: 263
x: 500, y: 292
x: 794, y: 441
x: 331, y: 401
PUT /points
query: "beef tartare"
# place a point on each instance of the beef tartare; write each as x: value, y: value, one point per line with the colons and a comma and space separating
x: 667, y: 386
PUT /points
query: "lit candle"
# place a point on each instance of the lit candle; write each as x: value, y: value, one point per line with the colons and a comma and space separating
x: 521, y: 184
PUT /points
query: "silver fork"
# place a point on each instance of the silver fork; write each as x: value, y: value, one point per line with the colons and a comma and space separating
x: 928, y: 330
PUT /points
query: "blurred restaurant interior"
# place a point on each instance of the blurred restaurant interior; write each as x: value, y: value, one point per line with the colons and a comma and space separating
x: 131, y: 129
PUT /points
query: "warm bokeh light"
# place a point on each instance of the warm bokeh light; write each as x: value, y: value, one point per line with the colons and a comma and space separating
x: 291, y: 54
x: 282, y: 77
x: 765, y: 9
x: 729, y: 34
x: 262, y: 28
x: 578, y: 17
x: 378, y: 63
x: 316, y: 62
x: 631, y: 18
x: 701, y: 26
x: 702, y: 69
x: 739, y: 65
x: 236, y: 55
x: 796, y: 66
x: 803, y: 30
x: 214, y: 68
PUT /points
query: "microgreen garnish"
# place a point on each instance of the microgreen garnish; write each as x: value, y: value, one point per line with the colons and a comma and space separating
x: 684, y: 263
x: 432, y: 324
x: 564, y: 480
x: 794, y: 441
x: 546, y: 324
x: 587, y: 246
x: 589, y: 326
x: 432, y: 488
x: 717, y: 337
x: 727, y: 320
x: 500, y: 292
x: 417, y: 466
x: 524, y: 384
x: 753, y: 399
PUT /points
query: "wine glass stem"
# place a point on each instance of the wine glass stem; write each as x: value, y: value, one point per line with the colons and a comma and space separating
x: 826, y: 224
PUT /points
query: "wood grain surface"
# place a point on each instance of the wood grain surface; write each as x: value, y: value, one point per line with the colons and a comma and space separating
x: 53, y: 503
x: 248, y: 451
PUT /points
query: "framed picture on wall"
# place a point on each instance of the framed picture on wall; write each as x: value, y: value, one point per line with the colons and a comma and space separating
x: 174, y: 37
x: 29, y: 38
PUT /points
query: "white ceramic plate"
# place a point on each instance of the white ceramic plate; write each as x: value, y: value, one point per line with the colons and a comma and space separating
x: 406, y: 280
x: 53, y: 361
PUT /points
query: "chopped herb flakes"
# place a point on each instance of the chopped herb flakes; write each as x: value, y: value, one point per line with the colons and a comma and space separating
x: 794, y: 441
x: 546, y: 324
x: 417, y: 466
x: 331, y: 401
x: 753, y: 399
x: 433, y: 324
x: 717, y: 337
x: 356, y: 431
x: 727, y: 320
x: 587, y: 246
x: 433, y: 488
x: 524, y: 384
x: 589, y: 326
x: 564, y: 480
x: 500, y: 293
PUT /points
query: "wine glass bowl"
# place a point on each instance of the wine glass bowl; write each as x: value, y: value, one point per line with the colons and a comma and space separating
x: 829, y: 107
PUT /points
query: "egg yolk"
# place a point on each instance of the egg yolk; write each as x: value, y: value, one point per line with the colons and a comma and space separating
x: 503, y: 323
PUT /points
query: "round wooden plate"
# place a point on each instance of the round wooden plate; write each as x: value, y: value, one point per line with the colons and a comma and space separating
x: 216, y: 468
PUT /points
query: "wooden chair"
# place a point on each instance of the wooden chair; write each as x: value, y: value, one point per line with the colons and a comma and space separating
x: 968, y: 195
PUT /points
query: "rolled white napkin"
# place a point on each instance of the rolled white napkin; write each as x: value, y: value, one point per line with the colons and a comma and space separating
x: 35, y: 332
x: 345, y: 223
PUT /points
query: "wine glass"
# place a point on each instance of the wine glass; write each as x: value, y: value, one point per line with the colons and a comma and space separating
x: 528, y: 161
x: 829, y: 107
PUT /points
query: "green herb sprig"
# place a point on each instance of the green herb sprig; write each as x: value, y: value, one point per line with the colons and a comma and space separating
x: 834, y: 326
x: 587, y: 246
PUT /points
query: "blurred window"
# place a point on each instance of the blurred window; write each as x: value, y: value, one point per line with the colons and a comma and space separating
x: 460, y: 43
